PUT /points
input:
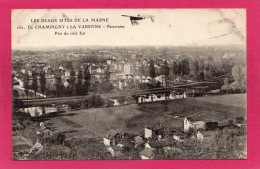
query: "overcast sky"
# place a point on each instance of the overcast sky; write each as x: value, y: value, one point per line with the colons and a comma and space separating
x: 171, y: 27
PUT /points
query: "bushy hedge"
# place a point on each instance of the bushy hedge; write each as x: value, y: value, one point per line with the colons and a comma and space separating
x: 224, y: 144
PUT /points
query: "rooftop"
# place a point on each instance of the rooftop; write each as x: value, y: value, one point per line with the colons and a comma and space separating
x: 111, y: 133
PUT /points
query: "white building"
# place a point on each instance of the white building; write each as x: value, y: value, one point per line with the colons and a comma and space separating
x: 111, y: 137
x: 109, y: 61
x: 115, y: 102
x: 155, y: 131
x: 137, y: 78
x: 178, y: 96
x: 198, y: 136
x: 127, y: 69
x: 60, y: 67
x: 196, y: 125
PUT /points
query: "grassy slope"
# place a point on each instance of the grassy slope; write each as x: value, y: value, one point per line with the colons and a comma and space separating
x: 132, y: 118
x: 236, y: 100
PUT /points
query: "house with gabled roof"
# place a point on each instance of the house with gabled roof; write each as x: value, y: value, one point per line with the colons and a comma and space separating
x: 195, y: 125
x: 198, y: 124
x: 111, y: 137
x: 154, y: 131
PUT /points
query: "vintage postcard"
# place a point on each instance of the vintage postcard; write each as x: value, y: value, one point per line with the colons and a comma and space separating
x: 129, y: 84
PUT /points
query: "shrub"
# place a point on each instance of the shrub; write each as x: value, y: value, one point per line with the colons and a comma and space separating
x: 240, y: 120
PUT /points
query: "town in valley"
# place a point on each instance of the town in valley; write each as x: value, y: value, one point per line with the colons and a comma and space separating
x: 129, y: 102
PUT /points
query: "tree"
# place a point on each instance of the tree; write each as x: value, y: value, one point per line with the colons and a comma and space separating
x: 142, y: 70
x: 180, y: 72
x: 146, y: 70
x: 194, y: 69
x: 207, y: 70
x: 69, y: 64
x: 107, y: 86
x: 79, y: 83
x: 237, y: 73
x: 87, y: 77
x: 72, y: 81
x: 26, y: 81
x: 43, y: 82
x: 34, y: 83
x: 184, y: 67
x: 226, y: 87
x: 13, y: 76
x: 226, y: 81
x: 15, y: 94
x: 243, y: 75
x: 96, y: 86
x: 107, y: 74
x: 201, y: 76
x: 175, y: 68
x: 59, y: 85
x: 96, y: 101
x: 240, y: 119
x: 165, y: 70
x: 152, y: 69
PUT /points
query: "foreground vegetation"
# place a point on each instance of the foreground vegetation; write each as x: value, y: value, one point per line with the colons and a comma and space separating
x: 223, y: 144
x: 228, y: 143
x: 84, y: 142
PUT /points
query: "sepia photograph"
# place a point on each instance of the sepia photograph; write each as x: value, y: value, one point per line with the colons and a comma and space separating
x: 129, y: 84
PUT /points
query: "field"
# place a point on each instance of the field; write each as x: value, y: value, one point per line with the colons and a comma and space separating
x: 236, y: 100
x: 133, y: 118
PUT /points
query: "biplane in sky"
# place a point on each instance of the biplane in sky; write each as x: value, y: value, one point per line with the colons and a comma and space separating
x: 135, y: 19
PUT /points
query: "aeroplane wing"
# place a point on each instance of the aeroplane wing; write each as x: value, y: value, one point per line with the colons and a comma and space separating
x: 133, y: 17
